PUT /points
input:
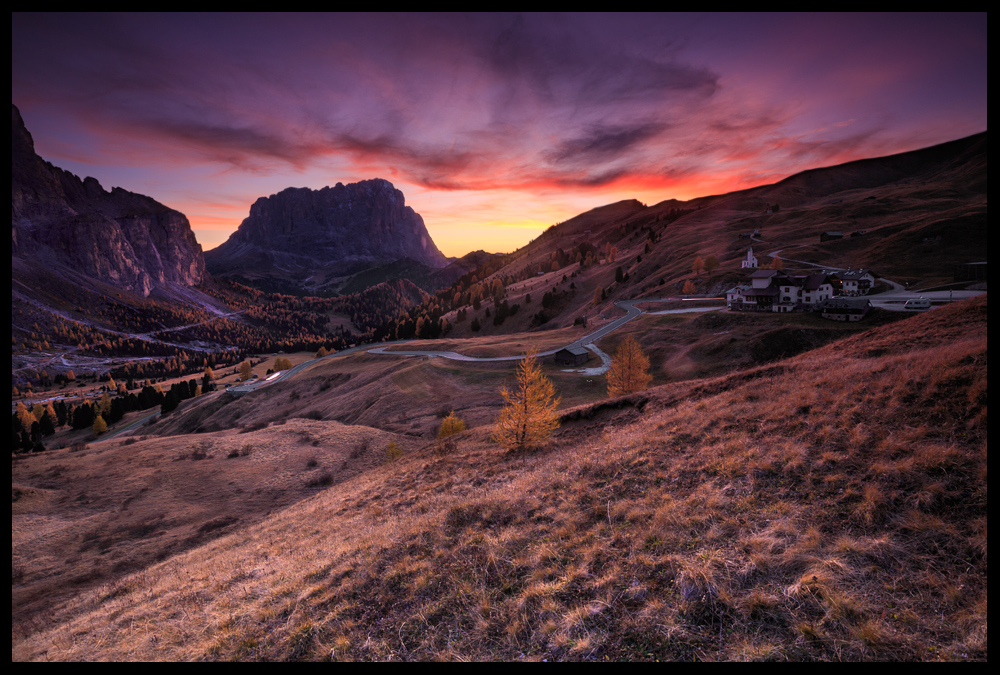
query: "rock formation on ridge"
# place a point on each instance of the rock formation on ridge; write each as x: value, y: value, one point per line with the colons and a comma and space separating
x: 119, y: 237
x: 299, y: 234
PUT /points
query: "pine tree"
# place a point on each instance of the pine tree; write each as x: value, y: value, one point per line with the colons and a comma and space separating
x: 45, y: 425
x: 629, y: 369
x: 528, y: 416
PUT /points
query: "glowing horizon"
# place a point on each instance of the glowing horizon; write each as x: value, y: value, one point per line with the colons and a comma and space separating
x: 494, y: 127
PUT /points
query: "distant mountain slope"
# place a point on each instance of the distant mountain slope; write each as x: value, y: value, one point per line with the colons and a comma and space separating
x: 428, y: 278
x: 125, y: 239
x: 914, y: 217
x: 312, y: 238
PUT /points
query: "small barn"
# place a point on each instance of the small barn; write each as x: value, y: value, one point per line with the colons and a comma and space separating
x: 974, y: 271
x: 572, y: 356
x: 831, y: 235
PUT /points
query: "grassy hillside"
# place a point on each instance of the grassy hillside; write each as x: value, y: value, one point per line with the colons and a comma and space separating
x: 829, y: 506
x: 921, y: 212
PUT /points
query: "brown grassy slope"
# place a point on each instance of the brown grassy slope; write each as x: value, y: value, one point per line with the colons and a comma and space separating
x: 510, y: 344
x: 899, y: 201
x: 403, y: 395
x: 696, y: 345
x: 831, y: 506
x: 83, y: 518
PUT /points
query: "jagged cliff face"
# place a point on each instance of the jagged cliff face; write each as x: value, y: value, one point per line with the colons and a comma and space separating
x: 128, y: 240
x: 344, y: 228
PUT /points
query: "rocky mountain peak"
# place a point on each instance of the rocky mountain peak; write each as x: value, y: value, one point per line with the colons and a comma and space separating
x: 119, y: 237
x: 344, y: 227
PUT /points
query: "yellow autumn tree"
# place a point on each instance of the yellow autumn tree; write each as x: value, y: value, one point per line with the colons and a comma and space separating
x: 105, y: 405
x: 451, y: 425
x: 25, y: 416
x: 100, y: 426
x: 394, y: 451
x: 528, y: 416
x: 629, y: 369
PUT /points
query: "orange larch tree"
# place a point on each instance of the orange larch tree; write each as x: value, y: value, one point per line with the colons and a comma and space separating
x: 629, y: 369
x: 528, y: 416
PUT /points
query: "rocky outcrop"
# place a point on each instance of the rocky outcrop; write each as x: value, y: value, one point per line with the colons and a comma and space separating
x: 336, y: 231
x: 128, y: 240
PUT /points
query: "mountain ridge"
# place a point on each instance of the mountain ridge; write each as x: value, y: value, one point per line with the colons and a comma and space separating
x: 123, y: 238
x: 313, y: 237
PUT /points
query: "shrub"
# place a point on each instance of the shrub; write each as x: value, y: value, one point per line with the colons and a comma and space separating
x: 394, y: 451
x: 324, y: 480
x: 451, y: 425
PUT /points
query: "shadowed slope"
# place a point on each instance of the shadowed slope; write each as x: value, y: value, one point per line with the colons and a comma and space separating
x: 831, y: 506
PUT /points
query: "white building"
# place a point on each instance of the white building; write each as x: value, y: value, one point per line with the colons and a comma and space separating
x: 808, y: 291
x: 750, y: 262
x: 855, y: 282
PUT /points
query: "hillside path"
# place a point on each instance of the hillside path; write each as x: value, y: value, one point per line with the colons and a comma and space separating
x: 587, y: 342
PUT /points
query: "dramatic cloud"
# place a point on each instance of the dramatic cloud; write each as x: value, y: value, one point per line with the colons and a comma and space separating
x: 604, y: 143
x: 575, y: 109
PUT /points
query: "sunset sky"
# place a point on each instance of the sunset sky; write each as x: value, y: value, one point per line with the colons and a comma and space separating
x: 493, y: 126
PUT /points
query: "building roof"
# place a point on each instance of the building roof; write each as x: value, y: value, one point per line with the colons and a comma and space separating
x: 763, y: 274
x: 814, y: 281
x: 762, y: 292
x: 575, y: 351
x: 846, y: 303
x: 851, y: 275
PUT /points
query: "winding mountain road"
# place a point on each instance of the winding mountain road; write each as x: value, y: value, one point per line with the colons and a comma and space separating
x: 588, y: 341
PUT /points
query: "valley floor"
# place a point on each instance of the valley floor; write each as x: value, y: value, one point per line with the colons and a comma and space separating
x: 827, y: 506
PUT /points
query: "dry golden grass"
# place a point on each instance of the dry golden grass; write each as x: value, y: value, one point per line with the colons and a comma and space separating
x: 82, y: 518
x: 515, y: 344
x: 827, y: 507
